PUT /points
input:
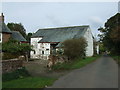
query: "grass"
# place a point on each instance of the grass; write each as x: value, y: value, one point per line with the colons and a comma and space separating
x: 21, y: 79
x: 29, y: 82
x: 19, y: 73
x: 74, y: 64
x: 117, y: 58
x: 40, y: 82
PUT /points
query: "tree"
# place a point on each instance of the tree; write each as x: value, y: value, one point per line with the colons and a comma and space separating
x: 74, y: 48
x: 28, y: 37
x: 101, y: 48
x: 110, y: 34
x: 17, y: 27
x: 95, y: 43
x: 115, y: 35
x: 14, y: 47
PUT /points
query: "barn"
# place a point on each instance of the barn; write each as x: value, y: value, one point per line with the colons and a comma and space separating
x: 47, y: 40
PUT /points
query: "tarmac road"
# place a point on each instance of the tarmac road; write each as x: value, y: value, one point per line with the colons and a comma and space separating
x: 103, y: 73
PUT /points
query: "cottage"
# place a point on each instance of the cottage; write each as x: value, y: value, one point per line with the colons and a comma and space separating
x: 46, y: 41
x: 6, y: 33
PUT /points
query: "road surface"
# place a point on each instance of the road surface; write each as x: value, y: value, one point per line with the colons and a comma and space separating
x: 103, y: 73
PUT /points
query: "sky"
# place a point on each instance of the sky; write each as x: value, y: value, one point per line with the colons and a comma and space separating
x: 38, y: 15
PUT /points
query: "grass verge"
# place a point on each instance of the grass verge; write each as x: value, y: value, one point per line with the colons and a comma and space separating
x: 22, y: 79
x: 29, y: 82
x: 19, y: 73
x: 26, y: 81
x: 74, y: 64
x: 116, y: 58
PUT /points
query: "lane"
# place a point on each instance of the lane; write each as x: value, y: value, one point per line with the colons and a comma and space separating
x: 103, y: 73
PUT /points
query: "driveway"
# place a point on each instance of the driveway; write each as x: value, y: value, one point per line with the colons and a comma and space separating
x: 103, y: 73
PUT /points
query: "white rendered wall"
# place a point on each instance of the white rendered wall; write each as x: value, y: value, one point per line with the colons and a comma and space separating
x: 89, y: 38
x: 34, y: 43
x: 41, y: 50
x: 44, y: 50
x: 0, y: 37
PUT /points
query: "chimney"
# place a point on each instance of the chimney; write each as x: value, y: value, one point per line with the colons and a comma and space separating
x: 2, y: 18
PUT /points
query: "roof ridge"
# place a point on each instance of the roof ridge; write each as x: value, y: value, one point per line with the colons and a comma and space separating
x: 63, y: 27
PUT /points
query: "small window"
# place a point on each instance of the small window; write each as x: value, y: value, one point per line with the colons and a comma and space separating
x: 42, y: 52
x: 34, y: 52
x: 47, y: 49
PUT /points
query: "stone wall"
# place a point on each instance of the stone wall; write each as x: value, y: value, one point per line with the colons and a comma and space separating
x: 11, y: 65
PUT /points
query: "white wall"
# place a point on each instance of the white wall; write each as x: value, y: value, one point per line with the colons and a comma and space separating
x: 89, y: 38
x: 34, y: 43
x: 42, y: 50
x: 0, y: 37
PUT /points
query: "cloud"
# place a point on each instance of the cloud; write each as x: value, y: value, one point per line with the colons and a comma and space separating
x: 56, y: 21
x: 119, y: 6
x: 96, y: 21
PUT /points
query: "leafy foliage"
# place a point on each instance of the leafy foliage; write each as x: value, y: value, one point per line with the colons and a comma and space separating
x: 95, y: 44
x: 19, y: 73
x: 17, y: 27
x: 101, y: 48
x: 14, y: 47
x: 74, y: 48
x: 110, y: 34
x: 28, y: 37
x: 117, y: 59
x: 7, y: 56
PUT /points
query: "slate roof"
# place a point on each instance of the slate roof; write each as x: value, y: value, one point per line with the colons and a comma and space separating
x: 60, y: 34
x: 17, y: 36
x: 4, y: 28
x: 14, y: 34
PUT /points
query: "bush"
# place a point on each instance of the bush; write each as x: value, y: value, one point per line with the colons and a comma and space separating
x: 74, y: 48
x: 19, y: 73
x: 116, y: 58
x: 13, y: 47
x: 9, y: 56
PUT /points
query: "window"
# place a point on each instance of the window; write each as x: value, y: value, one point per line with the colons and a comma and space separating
x: 47, y: 49
x: 34, y: 52
x: 42, y: 52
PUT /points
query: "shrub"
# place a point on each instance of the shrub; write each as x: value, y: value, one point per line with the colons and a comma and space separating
x: 19, y: 73
x: 13, y: 47
x: 9, y: 56
x: 74, y: 48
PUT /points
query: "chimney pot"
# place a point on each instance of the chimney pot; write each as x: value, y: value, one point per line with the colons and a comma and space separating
x: 2, y: 18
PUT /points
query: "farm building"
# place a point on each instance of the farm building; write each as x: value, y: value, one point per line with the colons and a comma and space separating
x: 46, y: 41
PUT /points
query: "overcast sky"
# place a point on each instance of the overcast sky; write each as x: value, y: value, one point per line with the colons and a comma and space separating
x: 52, y: 14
